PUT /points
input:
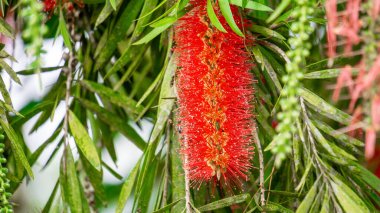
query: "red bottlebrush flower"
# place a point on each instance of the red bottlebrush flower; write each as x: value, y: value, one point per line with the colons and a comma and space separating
x: 344, y: 78
x: 370, y: 142
x: 214, y: 95
x: 49, y: 5
x: 331, y: 10
x: 375, y: 9
x: 375, y: 112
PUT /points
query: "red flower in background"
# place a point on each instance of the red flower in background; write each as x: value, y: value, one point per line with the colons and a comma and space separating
x: 346, y: 26
x: 214, y: 96
x: 49, y: 5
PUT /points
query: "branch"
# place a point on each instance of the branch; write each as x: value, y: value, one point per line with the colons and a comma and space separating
x: 261, y: 162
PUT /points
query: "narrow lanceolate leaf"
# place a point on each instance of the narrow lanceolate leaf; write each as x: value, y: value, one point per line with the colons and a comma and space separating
x: 324, y: 107
x: 331, y: 148
x: 153, y: 34
x: 306, y: 203
x: 10, y: 71
x: 166, y: 101
x: 214, y: 20
x: 227, y: 13
x: 6, y: 29
x: 83, y: 141
x: 130, y: 51
x: 275, y: 207
x: 168, y: 207
x: 329, y: 73
x: 347, y: 198
x: 16, y: 145
x: 266, y: 32
x: 4, y: 92
x: 43, y: 69
x: 251, y: 5
x: 70, y: 186
x: 366, y: 175
x: 107, y: 10
x: 115, y: 122
x: 177, y: 172
x: 280, y: 8
x: 225, y: 202
x: 49, y: 203
x: 128, y: 15
x: 112, y: 3
x: 64, y: 32
x: 127, y: 188
x: 336, y: 134
x: 114, y: 97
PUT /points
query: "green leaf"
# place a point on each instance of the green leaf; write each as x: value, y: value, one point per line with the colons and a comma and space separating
x: 214, y: 20
x: 164, y: 21
x: 64, y: 32
x: 266, y: 32
x: 306, y: 203
x: 148, y: 13
x: 153, y: 34
x: 106, y: 11
x: 280, y: 8
x: 275, y: 207
x: 6, y: 29
x: 44, y: 69
x: 322, y: 106
x: 49, y: 203
x: 325, y: 74
x: 16, y: 145
x: 365, y: 175
x: 114, y: 97
x: 177, y: 179
x: 70, y: 186
x: 113, y: 172
x: 4, y: 92
x: 272, y: 74
x: 168, y: 207
x: 325, y: 208
x: 347, y: 198
x: 304, y: 176
x: 127, y: 188
x: 83, y: 141
x: 115, y: 122
x: 331, y: 148
x: 152, y: 87
x: 96, y: 179
x: 166, y: 101
x: 248, y: 4
x: 258, y: 56
x: 113, y: 4
x: 225, y: 202
x: 225, y: 8
x: 336, y: 134
x: 117, y: 33
x: 10, y: 71
x: 130, y: 52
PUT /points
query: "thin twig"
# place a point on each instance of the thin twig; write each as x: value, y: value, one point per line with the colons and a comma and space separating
x: 261, y: 162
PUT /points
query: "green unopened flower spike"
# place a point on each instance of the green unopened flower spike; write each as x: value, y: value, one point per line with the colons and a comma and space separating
x: 5, y: 205
x: 32, y: 12
x: 290, y: 109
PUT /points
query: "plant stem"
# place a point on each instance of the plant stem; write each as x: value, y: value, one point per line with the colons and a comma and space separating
x: 261, y: 162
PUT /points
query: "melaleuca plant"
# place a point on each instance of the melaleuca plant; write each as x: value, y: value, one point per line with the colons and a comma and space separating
x: 239, y: 93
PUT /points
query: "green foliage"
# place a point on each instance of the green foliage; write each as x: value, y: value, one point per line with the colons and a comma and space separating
x: 34, y: 30
x: 120, y: 70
